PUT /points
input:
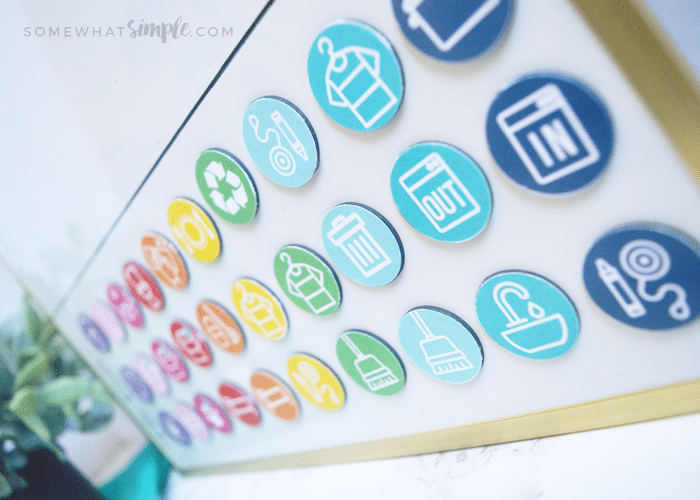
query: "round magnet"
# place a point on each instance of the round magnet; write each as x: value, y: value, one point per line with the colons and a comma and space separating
x: 274, y: 395
x: 355, y: 75
x: 362, y: 244
x: 227, y: 186
x: 124, y: 305
x: 194, y: 230
x: 191, y: 343
x: 527, y: 314
x: 441, y: 344
x: 441, y: 192
x: 550, y: 133
x: 453, y: 30
x: 151, y: 374
x: 93, y: 333
x: 169, y: 361
x: 259, y: 308
x: 192, y: 421
x: 371, y: 362
x: 136, y: 385
x: 164, y: 260
x: 142, y: 286
x: 645, y: 275
x: 212, y: 414
x: 108, y: 321
x: 221, y: 328
x: 174, y: 429
x: 307, y: 279
x: 316, y: 381
x: 239, y: 404
x: 281, y: 141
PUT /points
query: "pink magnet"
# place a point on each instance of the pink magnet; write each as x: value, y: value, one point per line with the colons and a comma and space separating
x: 192, y: 422
x: 124, y: 305
x: 169, y: 361
x: 151, y: 374
x: 108, y: 321
x: 212, y: 414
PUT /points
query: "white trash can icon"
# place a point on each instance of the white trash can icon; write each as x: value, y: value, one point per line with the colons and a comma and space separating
x: 351, y: 235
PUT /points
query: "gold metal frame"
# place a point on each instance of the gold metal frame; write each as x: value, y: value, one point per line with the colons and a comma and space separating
x: 654, y: 404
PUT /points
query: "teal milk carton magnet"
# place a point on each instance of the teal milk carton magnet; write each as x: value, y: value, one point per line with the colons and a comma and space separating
x: 355, y: 75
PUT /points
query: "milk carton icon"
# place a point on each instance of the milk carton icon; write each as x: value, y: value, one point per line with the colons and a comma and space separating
x: 350, y: 234
x: 353, y: 81
x: 439, y: 194
x: 547, y: 135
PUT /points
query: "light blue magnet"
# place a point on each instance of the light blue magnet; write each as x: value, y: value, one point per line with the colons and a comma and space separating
x: 527, y: 314
x: 355, y: 75
x: 441, y: 192
x: 362, y: 244
x: 281, y: 141
x: 441, y: 344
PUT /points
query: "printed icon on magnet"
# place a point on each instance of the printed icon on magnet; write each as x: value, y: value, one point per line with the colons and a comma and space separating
x: 142, y: 286
x: 362, y: 244
x: 93, y: 333
x: 191, y: 343
x: 281, y: 141
x: 174, y: 429
x: 355, y: 75
x: 645, y: 275
x: 316, y: 382
x: 441, y: 344
x: 274, y: 395
x: 151, y: 374
x: 527, y: 314
x: 227, y: 186
x: 108, y: 321
x: 124, y: 305
x: 212, y: 414
x: 307, y: 279
x: 194, y: 230
x: 371, y: 362
x: 221, y: 328
x: 192, y: 421
x: 259, y: 308
x: 239, y: 404
x: 550, y: 134
x: 453, y: 30
x: 441, y: 192
x: 164, y: 260
x: 169, y: 361
x: 136, y: 385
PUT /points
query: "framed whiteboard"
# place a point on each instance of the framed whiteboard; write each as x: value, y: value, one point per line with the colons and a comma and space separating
x: 603, y: 372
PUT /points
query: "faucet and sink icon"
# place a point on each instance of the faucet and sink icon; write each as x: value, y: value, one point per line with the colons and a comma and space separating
x: 533, y: 333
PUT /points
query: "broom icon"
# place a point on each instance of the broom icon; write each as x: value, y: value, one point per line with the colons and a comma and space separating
x: 373, y: 372
x: 440, y: 352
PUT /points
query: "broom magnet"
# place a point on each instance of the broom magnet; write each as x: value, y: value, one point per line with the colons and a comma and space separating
x: 441, y: 344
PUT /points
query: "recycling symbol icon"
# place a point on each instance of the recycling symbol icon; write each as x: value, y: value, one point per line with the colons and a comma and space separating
x: 214, y: 173
x: 227, y: 187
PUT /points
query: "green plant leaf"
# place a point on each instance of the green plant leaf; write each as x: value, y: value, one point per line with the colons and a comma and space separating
x: 5, y: 488
x: 23, y: 402
x: 27, y: 355
x: 32, y: 320
x: 65, y: 390
x: 47, y: 334
x: 34, y: 372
